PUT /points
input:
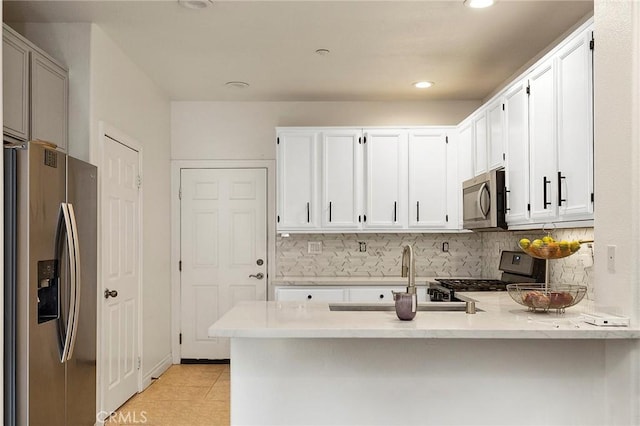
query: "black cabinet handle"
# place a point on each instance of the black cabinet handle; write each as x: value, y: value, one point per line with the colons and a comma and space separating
x: 329, y: 211
x: 359, y: 218
x: 381, y: 296
x: 308, y: 214
x: 395, y: 216
x: 417, y: 211
x: 309, y: 297
x: 544, y: 192
x: 560, y: 199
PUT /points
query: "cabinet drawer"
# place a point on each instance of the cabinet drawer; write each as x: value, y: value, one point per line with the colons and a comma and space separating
x: 373, y: 294
x: 310, y: 294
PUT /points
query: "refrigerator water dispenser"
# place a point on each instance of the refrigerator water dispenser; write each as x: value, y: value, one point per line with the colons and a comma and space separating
x: 48, y: 291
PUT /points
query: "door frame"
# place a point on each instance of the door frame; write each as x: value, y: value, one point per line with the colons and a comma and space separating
x: 176, y: 167
x: 105, y: 131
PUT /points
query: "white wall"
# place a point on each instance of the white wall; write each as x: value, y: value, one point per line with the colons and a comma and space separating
x: 125, y: 98
x: 246, y: 130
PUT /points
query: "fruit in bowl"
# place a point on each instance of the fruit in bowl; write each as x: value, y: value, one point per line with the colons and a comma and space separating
x: 538, y: 298
x: 548, y: 248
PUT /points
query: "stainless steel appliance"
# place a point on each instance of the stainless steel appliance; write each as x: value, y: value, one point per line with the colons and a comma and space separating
x: 50, y: 207
x: 516, y: 267
x: 484, y: 202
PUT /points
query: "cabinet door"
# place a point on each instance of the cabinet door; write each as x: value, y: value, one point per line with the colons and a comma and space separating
x: 310, y: 294
x: 495, y: 133
x: 386, y: 179
x: 428, y: 179
x: 480, y: 143
x: 15, y: 79
x: 517, y: 146
x: 465, y: 151
x: 341, y: 179
x: 297, y: 174
x: 542, y: 143
x: 575, y: 129
x: 49, y: 104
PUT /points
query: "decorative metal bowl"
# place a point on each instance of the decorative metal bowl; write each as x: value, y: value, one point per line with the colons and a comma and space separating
x: 540, y: 297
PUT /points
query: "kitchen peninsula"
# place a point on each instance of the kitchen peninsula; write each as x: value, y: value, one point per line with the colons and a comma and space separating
x: 301, y: 363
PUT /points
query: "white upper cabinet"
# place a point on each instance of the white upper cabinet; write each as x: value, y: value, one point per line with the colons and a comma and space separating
x: 428, y: 180
x: 341, y: 179
x: 297, y: 180
x: 15, y: 78
x: 465, y: 151
x: 385, y: 178
x: 480, y: 143
x: 49, y: 88
x: 495, y: 134
x: 542, y: 143
x: 517, y: 147
x: 575, y: 128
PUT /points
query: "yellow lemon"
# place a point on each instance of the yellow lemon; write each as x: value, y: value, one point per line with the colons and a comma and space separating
x: 564, y: 246
x: 574, y: 246
x: 536, y: 244
x: 548, y: 239
x: 524, y: 243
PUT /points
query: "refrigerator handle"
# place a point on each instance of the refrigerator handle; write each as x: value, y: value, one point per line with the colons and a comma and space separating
x: 64, y: 227
x: 76, y: 284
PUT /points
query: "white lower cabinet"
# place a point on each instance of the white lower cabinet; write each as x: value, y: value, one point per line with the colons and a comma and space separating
x: 310, y: 294
x: 352, y: 294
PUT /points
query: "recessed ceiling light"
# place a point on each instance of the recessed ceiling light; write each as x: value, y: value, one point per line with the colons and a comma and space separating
x: 237, y: 84
x: 478, y: 4
x: 323, y: 52
x: 195, y: 4
x: 423, y: 84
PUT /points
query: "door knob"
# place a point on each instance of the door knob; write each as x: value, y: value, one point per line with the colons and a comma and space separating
x: 259, y: 275
x: 110, y: 293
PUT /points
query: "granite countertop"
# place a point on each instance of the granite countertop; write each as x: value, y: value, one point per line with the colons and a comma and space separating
x: 501, y: 318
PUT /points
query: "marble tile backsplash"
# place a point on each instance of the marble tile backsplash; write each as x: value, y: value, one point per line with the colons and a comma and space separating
x: 470, y: 254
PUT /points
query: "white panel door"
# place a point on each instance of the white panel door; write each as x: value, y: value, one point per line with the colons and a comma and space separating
x: 120, y: 273
x: 428, y: 179
x: 297, y: 180
x: 341, y: 179
x: 575, y: 129
x: 223, y: 246
x: 542, y: 143
x: 480, y: 145
x: 517, y: 146
x: 386, y: 177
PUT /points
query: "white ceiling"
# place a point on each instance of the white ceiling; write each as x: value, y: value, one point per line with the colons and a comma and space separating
x: 377, y: 48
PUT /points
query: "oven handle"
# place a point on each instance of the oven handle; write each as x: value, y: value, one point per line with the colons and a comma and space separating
x: 484, y: 188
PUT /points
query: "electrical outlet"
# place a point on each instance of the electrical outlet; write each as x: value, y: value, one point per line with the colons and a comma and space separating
x: 362, y: 246
x: 314, y: 247
x: 445, y: 247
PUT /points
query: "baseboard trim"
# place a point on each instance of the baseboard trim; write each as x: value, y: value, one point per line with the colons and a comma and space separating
x: 157, y: 371
x: 204, y: 361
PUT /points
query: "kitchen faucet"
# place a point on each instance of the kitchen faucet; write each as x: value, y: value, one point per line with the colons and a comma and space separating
x: 409, y: 268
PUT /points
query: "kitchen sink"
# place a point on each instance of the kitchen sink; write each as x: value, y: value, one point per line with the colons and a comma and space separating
x: 426, y: 306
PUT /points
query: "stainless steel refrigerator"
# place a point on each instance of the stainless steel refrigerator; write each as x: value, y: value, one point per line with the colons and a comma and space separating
x: 50, y: 207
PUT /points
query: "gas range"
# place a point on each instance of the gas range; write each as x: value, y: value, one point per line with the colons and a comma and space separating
x: 516, y: 267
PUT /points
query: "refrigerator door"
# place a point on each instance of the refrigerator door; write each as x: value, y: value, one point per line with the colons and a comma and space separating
x: 40, y: 281
x: 82, y: 198
x: 10, y: 252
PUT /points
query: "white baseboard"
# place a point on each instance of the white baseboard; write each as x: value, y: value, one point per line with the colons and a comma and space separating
x: 157, y: 370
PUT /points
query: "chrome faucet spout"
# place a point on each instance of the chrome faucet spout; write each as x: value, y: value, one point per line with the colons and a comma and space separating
x: 409, y: 268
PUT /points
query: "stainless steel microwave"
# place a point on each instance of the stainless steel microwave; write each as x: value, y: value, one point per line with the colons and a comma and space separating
x: 484, y: 202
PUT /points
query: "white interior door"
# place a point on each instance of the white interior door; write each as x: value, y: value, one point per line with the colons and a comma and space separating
x: 223, y: 249
x: 120, y: 273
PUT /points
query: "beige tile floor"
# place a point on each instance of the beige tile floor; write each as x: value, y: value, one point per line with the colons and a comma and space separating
x: 185, y: 395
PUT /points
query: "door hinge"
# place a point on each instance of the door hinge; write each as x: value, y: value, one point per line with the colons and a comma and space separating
x: 592, y: 43
x: 528, y: 89
x: 277, y: 141
x: 179, y: 265
x: 139, y: 363
x: 139, y: 181
x: 180, y: 339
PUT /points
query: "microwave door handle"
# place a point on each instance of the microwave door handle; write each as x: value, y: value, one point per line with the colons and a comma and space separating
x: 483, y: 189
